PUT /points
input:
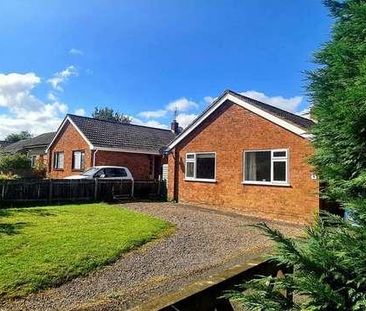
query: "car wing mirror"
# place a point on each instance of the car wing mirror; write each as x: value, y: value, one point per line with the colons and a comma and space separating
x: 102, y: 176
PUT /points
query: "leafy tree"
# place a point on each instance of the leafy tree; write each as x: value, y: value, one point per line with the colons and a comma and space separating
x: 330, y: 261
x: 40, y: 169
x: 14, y: 161
x: 14, y: 137
x: 109, y: 114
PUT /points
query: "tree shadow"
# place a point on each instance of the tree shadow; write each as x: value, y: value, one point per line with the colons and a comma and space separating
x: 11, y: 229
x: 4, y: 212
x: 36, y: 212
x: 33, y: 211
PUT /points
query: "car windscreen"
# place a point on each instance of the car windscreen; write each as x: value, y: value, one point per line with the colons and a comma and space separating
x: 90, y: 172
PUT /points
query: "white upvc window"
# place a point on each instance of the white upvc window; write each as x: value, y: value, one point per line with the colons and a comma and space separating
x: 266, y: 167
x: 78, y: 160
x: 201, y: 166
x: 58, y: 160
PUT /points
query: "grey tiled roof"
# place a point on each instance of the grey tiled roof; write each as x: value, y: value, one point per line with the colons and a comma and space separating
x: 109, y: 134
x: 283, y: 114
x: 4, y: 143
x: 15, y: 147
x: 39, y: 141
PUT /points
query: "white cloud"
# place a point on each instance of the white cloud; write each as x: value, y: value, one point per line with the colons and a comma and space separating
x: 22, y: 110
x: 153, y: 114
x: 181, y: 105
x: 209, y: 99
x: 184, y: 119
x: 290, y: 104
x: 61, y: 77
x: 74, y: 51
x: 15, y: 90
x: 80, y: 112
x: 52, y: 96
x: 151, y: 123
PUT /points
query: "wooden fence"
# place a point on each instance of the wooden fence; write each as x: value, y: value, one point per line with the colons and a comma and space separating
x: 63, y: 190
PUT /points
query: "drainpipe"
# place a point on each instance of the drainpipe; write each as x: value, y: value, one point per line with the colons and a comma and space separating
x: 95, y: 152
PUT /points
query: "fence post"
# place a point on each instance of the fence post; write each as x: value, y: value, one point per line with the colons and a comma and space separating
x: 95, y: 189
x: 39, y: 190
x: 50, y: 191
x: 3, y: 191
x: 132, y: 188
x: 159, y: 188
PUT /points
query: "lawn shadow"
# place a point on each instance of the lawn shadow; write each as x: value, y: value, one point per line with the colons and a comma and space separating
x: 36, y: 212
x: 11, y: 229
x: 5, y: 212
x: 8, y: 228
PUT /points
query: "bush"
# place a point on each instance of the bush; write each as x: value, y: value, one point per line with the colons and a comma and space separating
x: 14, y: 161
x: 8, y: 176
x: 40, y: 169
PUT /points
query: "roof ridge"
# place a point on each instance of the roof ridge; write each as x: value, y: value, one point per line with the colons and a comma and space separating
x: 120, y: 123
x: 263, y: 103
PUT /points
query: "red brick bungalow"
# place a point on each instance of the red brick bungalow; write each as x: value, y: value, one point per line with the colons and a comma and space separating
x: 82, y: 142
x: 245, y: 155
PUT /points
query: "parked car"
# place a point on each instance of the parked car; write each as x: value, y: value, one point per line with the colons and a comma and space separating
x: 105, y: 172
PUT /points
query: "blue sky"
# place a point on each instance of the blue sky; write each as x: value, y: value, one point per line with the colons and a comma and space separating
x: 144, y: 58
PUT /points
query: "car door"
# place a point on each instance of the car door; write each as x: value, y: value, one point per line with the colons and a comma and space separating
x: 100, y: 174
x: 110, y: 173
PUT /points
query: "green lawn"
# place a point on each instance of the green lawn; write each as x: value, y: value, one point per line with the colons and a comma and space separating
x: 45, y: 246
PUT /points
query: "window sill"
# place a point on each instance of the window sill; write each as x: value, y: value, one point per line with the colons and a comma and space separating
x: 58, y: 169
x: 253, y: 183
x: 201, y: 180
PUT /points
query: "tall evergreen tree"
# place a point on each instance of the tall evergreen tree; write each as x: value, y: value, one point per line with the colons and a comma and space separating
x: 330, y: 261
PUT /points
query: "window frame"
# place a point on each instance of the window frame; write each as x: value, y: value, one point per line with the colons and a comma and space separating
x: 285, y: 159
x: 194, y: 161
x: 82, y: 161
x: 55, y: 155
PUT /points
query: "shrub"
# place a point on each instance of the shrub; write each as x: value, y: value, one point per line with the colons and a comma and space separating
x: 8, y: 176
x: 14, y: 162
x: 40, y: 169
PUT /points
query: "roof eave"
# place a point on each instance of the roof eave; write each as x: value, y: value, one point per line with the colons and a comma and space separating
x: 68, y: 118
x: 228, y: 95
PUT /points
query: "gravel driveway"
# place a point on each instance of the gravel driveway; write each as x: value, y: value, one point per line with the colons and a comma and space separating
x: 205, y: 242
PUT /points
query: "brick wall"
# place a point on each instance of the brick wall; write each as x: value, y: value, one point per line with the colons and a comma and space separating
x: 68, y: 141
x: 140, y: 165
x: 228, y: 132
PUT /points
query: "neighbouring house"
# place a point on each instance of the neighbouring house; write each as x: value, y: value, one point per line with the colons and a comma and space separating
x: 245, y: 155
x: 82, y: 142
x: 34, y: 148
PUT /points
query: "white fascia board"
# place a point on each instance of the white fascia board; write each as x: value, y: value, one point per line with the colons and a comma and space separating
x: 124, y: 150
x: 77, y: 129
x: 266, y: 115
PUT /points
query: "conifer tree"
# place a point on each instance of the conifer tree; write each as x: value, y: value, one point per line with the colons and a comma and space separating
x: 330, y: 261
